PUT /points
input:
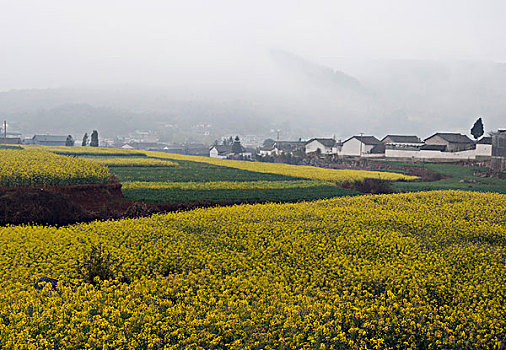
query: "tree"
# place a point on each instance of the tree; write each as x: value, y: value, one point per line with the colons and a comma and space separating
x: 94, y: 139
x: 268, y: 143
x: 236, y: 146
x: 85, y: 139
x: 69, y: 141
x: 477, y: 129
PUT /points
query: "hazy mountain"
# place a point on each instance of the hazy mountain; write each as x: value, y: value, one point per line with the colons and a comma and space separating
x: 299, y: 97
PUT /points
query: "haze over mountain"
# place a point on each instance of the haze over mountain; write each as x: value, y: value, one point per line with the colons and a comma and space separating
x: 305, y: 99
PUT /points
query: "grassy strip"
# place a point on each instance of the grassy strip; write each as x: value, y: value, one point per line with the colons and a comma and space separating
x: 460, y: 178
x: 193, y: 171
x: 173, y: 195
x: 132, y: 162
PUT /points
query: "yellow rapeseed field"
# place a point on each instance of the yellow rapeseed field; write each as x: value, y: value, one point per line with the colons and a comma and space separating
x: 403, y: 271
x: 34, y: 166
x: 301, y: 171
x: 93, y: 151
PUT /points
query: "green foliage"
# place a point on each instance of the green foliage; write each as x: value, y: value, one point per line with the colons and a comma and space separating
x: 193, y: 171
x: 459, y: 177
x: 69, y: 141
x: 230, y: 196
x: 94, y: 139
x: 98, y: 263
x: 236, y: 146
x: 85, y: 139
x: 477, y: 129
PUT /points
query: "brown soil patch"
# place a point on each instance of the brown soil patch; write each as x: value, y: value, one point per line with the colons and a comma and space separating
x: 65, y: 205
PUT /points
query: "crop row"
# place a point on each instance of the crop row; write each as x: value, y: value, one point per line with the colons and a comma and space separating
x: 404, y: 271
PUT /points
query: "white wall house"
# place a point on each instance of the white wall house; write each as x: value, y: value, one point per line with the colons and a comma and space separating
x: 325, y: 146
x: 402, y: 141
x: 428, y: 154
x: 220, y: 151
x: 484, y: 148
x: 360, y: 145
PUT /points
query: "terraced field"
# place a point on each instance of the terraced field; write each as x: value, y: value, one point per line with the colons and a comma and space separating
x: 138, y: 171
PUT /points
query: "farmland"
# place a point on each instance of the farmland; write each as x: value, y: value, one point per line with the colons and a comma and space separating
x: 402, y: 271
x: 454, y: 177
x: 19, y: 167
x: 138, y: 171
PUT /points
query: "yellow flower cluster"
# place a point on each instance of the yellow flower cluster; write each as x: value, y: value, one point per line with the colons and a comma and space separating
x: 228, y: 185
x: 404, y: 271
x: 95, y: 151
x: 38, y: 167
x: 131, y: 161
x: 307, y: 172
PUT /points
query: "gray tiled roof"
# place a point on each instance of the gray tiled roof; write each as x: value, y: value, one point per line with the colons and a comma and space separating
x: 452, y: 137
x: 324, y: 141
x: 403, y: 138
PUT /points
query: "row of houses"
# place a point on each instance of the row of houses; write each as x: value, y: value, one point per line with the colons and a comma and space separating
x: 437, y: 146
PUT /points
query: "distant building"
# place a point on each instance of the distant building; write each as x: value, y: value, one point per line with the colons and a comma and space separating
x: 225, y: 151
x: 359, y: 145
x: 265, y: 151
x: 10, y: 140
x: 402, y: 141
x: 484, y: 148
x: 49, y: 140
x: 499, y: 151
x: 145, y: 146
x: 453, y: 142
x: 220, y: 151
x: 289, y: 147
x: 324, y: 145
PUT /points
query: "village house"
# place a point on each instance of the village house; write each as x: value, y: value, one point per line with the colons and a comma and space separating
x: 220, y: 151
x: 402, y: 141
x: 225, y: 151
x: 49, y: 140
x: 361, y: 145
x: 453, y: 142
x: 289, y: 147
x: 499, y: 151
x: 10, y: 140
x: 320, y: 145
x: 484, y: 148
x: 266, y: 151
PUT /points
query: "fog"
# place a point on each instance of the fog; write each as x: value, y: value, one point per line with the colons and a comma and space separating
x: 309, y: 68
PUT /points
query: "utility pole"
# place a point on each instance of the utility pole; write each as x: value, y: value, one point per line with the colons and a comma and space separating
x: 361, y: 136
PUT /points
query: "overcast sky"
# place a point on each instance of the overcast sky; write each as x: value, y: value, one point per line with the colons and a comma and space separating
x: 55, y: 43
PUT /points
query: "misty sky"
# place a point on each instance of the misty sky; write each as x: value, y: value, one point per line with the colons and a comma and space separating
x: 67, y: 43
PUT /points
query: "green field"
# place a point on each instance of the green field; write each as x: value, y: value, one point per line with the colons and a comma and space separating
x: 237, y: 195
x: 192, y: 171
x: 188, y: 171
x: 458, y: 177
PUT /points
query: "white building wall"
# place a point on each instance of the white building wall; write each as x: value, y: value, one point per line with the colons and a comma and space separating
x: 314, y: 145
x: 425, y: 154
x: 352, y: 148
x: 213, y: 153
x: 483, y: 150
